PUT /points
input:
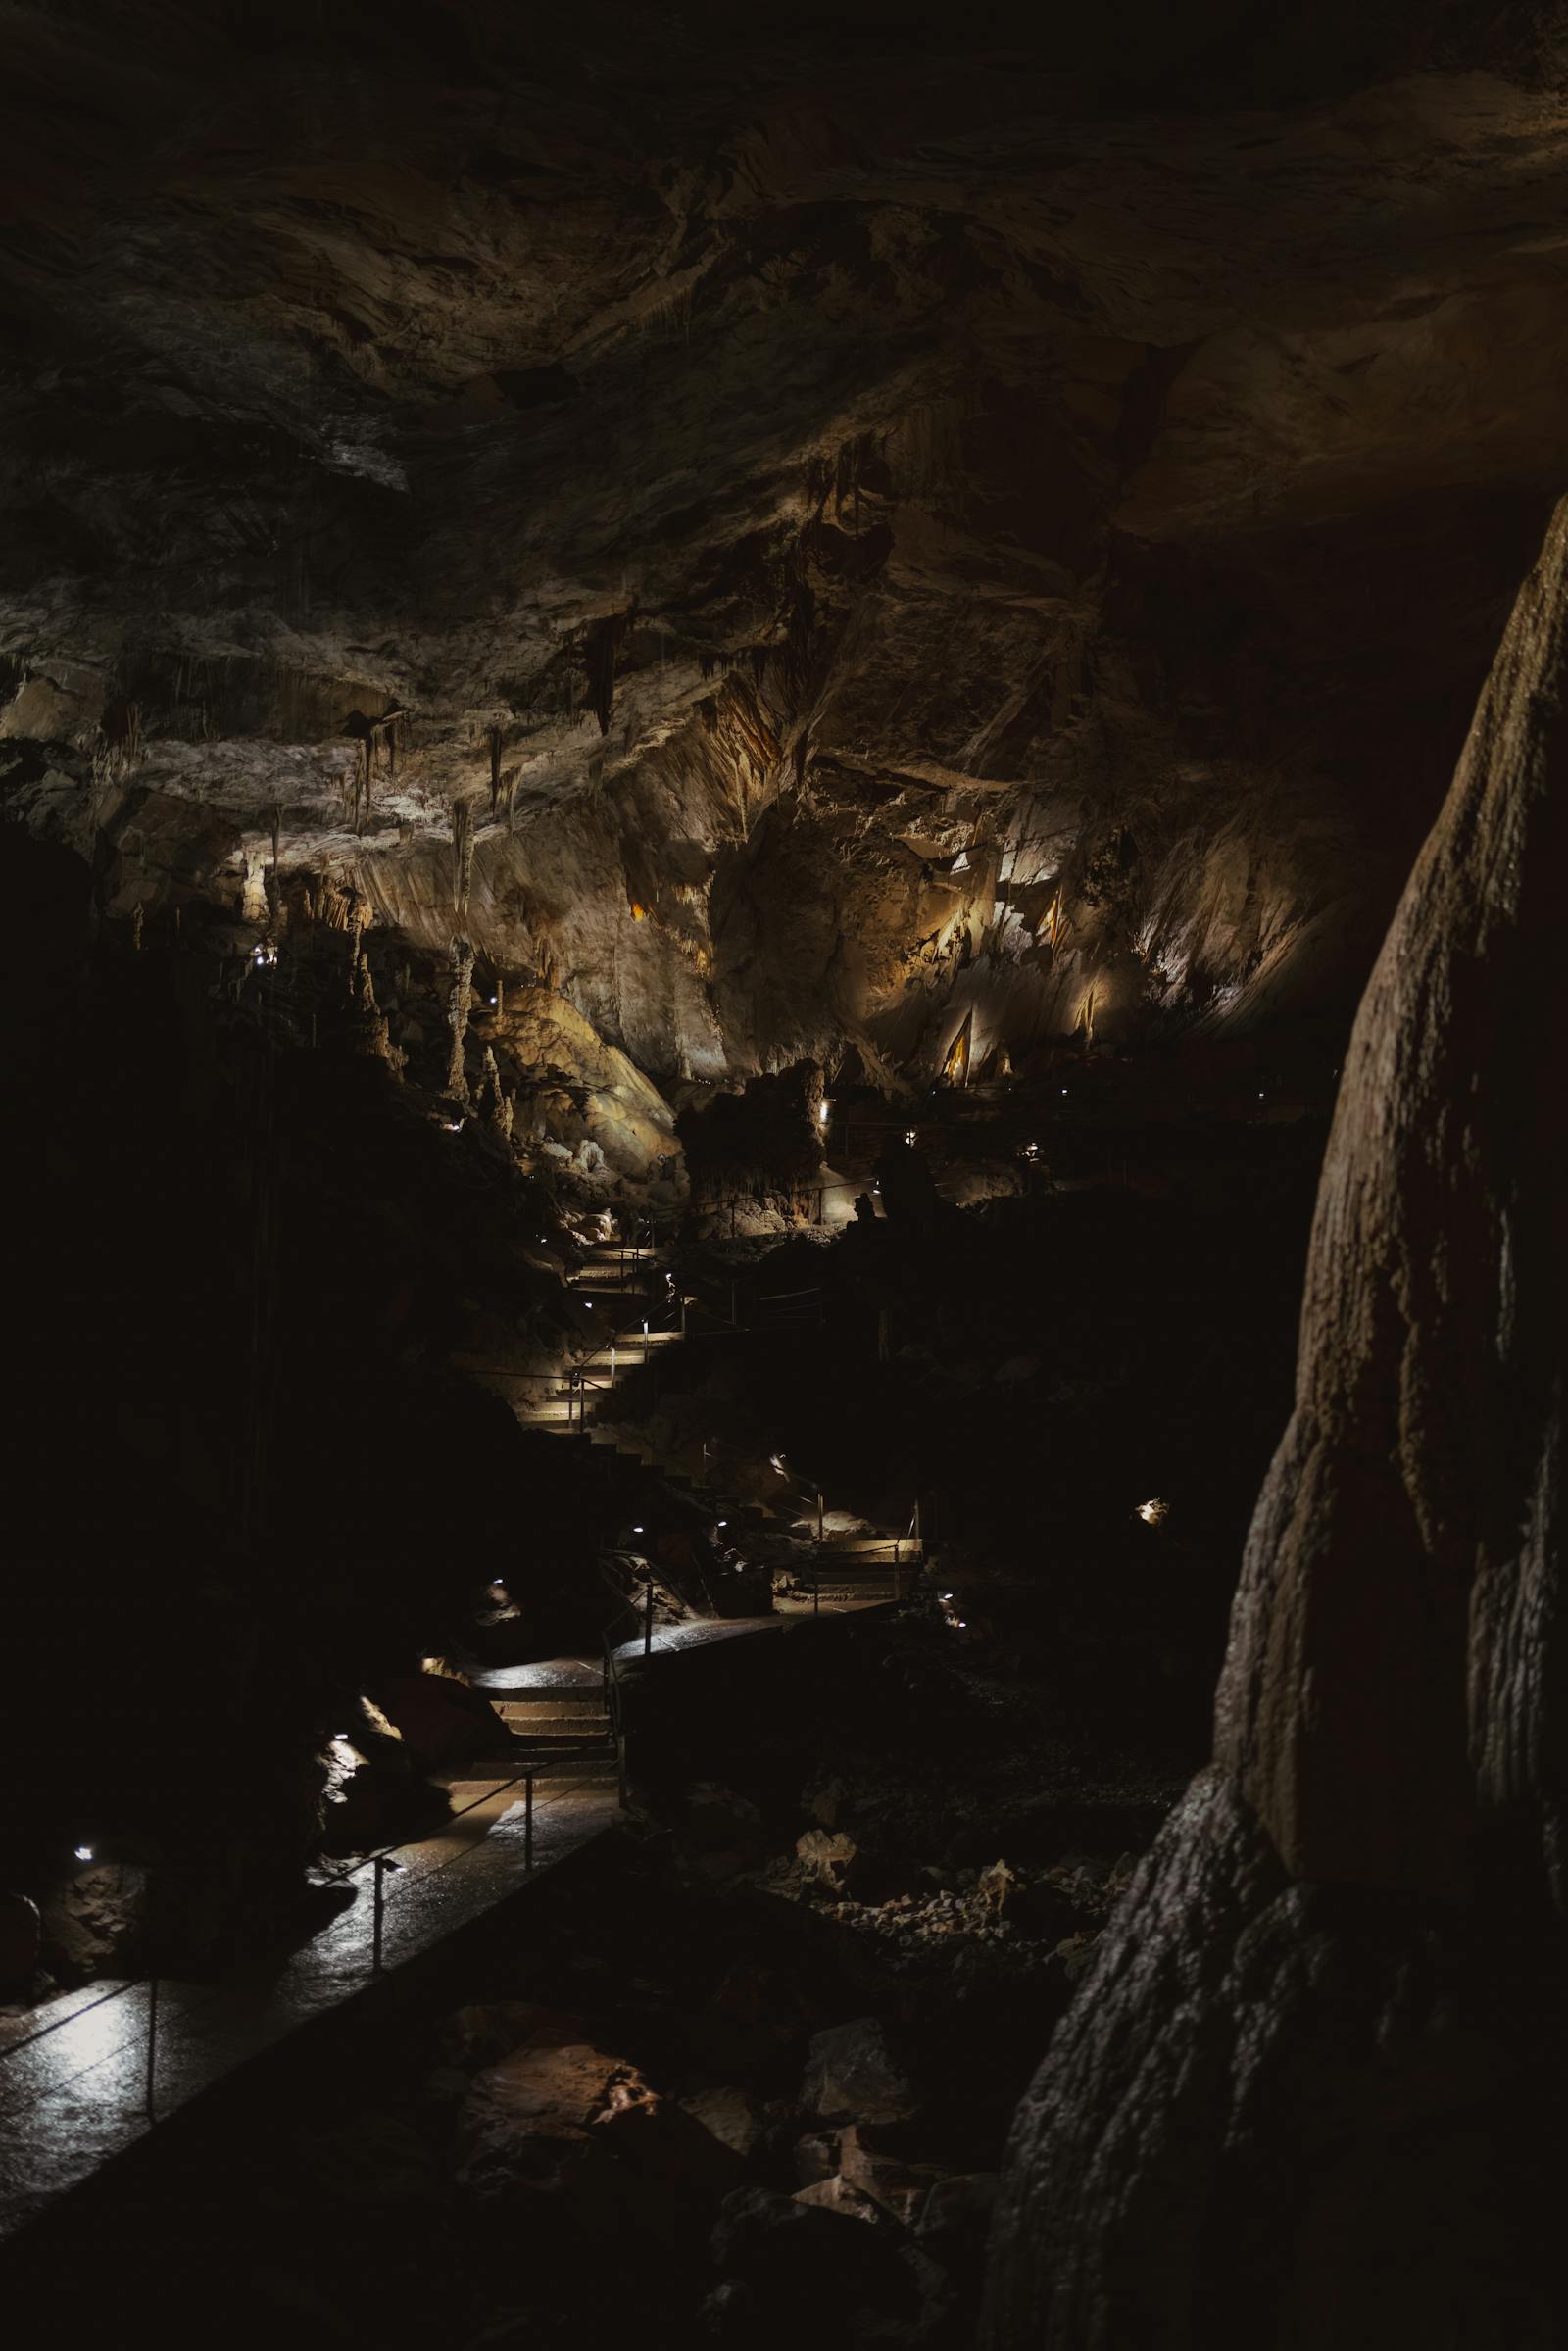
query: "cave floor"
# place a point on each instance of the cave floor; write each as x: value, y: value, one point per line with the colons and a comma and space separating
x: 73, y: 2077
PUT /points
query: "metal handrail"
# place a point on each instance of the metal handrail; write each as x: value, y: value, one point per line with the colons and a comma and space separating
x: 380, y: 1861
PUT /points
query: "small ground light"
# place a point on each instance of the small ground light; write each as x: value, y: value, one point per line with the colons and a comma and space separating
x: 823, y: 1113
x: 1152, y: 1511
x: 83, y: 1852
x: 909, y: 1134
x: 724, y: 1521
x: 638, y: 1530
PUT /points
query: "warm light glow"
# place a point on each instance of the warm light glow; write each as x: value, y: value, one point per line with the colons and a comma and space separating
x: 638, y: 913
x: 823, y: 1113
x: 1151, y: 1512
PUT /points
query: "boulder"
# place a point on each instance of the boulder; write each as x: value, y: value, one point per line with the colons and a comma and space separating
x: 854, y: 2073
x: 838, y: 2194
x: 730, y: 2116
x: 441, y: 1720
x: 587, y: 2130
x: 91, y: 1923
x: 816, y: 2269
x: 874, y: 2161
x: 829, y: 1856
x: 816, y: 2157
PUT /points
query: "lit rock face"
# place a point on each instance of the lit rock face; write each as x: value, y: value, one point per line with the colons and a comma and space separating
x: 1299, y: 2096
x: 880, y: 530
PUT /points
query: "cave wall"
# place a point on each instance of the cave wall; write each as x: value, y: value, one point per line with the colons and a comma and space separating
x: 879, y: 528
x: 1313, y: 2087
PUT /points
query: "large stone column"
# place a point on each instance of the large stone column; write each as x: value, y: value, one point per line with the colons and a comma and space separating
x: 1313, y: 2091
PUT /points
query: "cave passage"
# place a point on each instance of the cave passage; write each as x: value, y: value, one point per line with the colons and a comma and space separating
x: 782, y: 799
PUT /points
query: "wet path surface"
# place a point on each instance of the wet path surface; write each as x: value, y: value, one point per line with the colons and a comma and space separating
x: 73, y: 2075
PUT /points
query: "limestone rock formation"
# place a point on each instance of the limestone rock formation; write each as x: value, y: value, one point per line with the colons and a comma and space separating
x: 1313, y: 2084
x: 822, y: 540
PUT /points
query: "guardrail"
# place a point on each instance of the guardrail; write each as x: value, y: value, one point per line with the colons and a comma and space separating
x: 615, y: 1708
x: 381, y: 1862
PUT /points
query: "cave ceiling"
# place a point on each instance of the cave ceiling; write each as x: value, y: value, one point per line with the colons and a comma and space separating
x: 880, y: 515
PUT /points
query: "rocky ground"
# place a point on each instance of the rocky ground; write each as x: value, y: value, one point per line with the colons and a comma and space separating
x: 716, y: 2082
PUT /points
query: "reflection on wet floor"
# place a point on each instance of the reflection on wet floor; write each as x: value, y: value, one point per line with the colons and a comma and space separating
x: 73, y: 2075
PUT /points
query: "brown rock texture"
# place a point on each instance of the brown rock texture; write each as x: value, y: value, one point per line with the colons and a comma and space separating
x: 1313, y: 2082
x: 857, y: 526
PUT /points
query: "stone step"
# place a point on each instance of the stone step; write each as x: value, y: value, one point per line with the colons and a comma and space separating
x: 867, y: 1547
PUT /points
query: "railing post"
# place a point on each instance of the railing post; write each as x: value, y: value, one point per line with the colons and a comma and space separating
x: 528, y: 1821
x: 379, y: 1913
x: 820, y: 1516
x: 648, y: 1617
x: 152, y: 2042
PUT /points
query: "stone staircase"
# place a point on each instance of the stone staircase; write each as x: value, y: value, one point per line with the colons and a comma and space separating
x: 864, y: 1570
x: 548, y: 1726
x: 846, y: 1571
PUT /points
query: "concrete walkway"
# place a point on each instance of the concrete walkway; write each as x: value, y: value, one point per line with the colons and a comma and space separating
x: 73, y: 2073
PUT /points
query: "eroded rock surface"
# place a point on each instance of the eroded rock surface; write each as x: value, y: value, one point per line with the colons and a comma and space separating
x: 1303, y: 2092
x: 814, y: 541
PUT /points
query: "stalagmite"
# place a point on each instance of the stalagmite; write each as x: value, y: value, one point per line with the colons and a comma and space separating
x: 459, y: 1001
x: 1297, y: 2091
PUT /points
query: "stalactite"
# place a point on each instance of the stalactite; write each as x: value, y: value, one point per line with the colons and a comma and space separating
x: 367, y: 768
x: 501, y: 995
x: 135, y: 930
x: 601, y: 650
x: 495, y: 769
x: 458, y: 1007
x: 269, y: 879
x: 462, y: 857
